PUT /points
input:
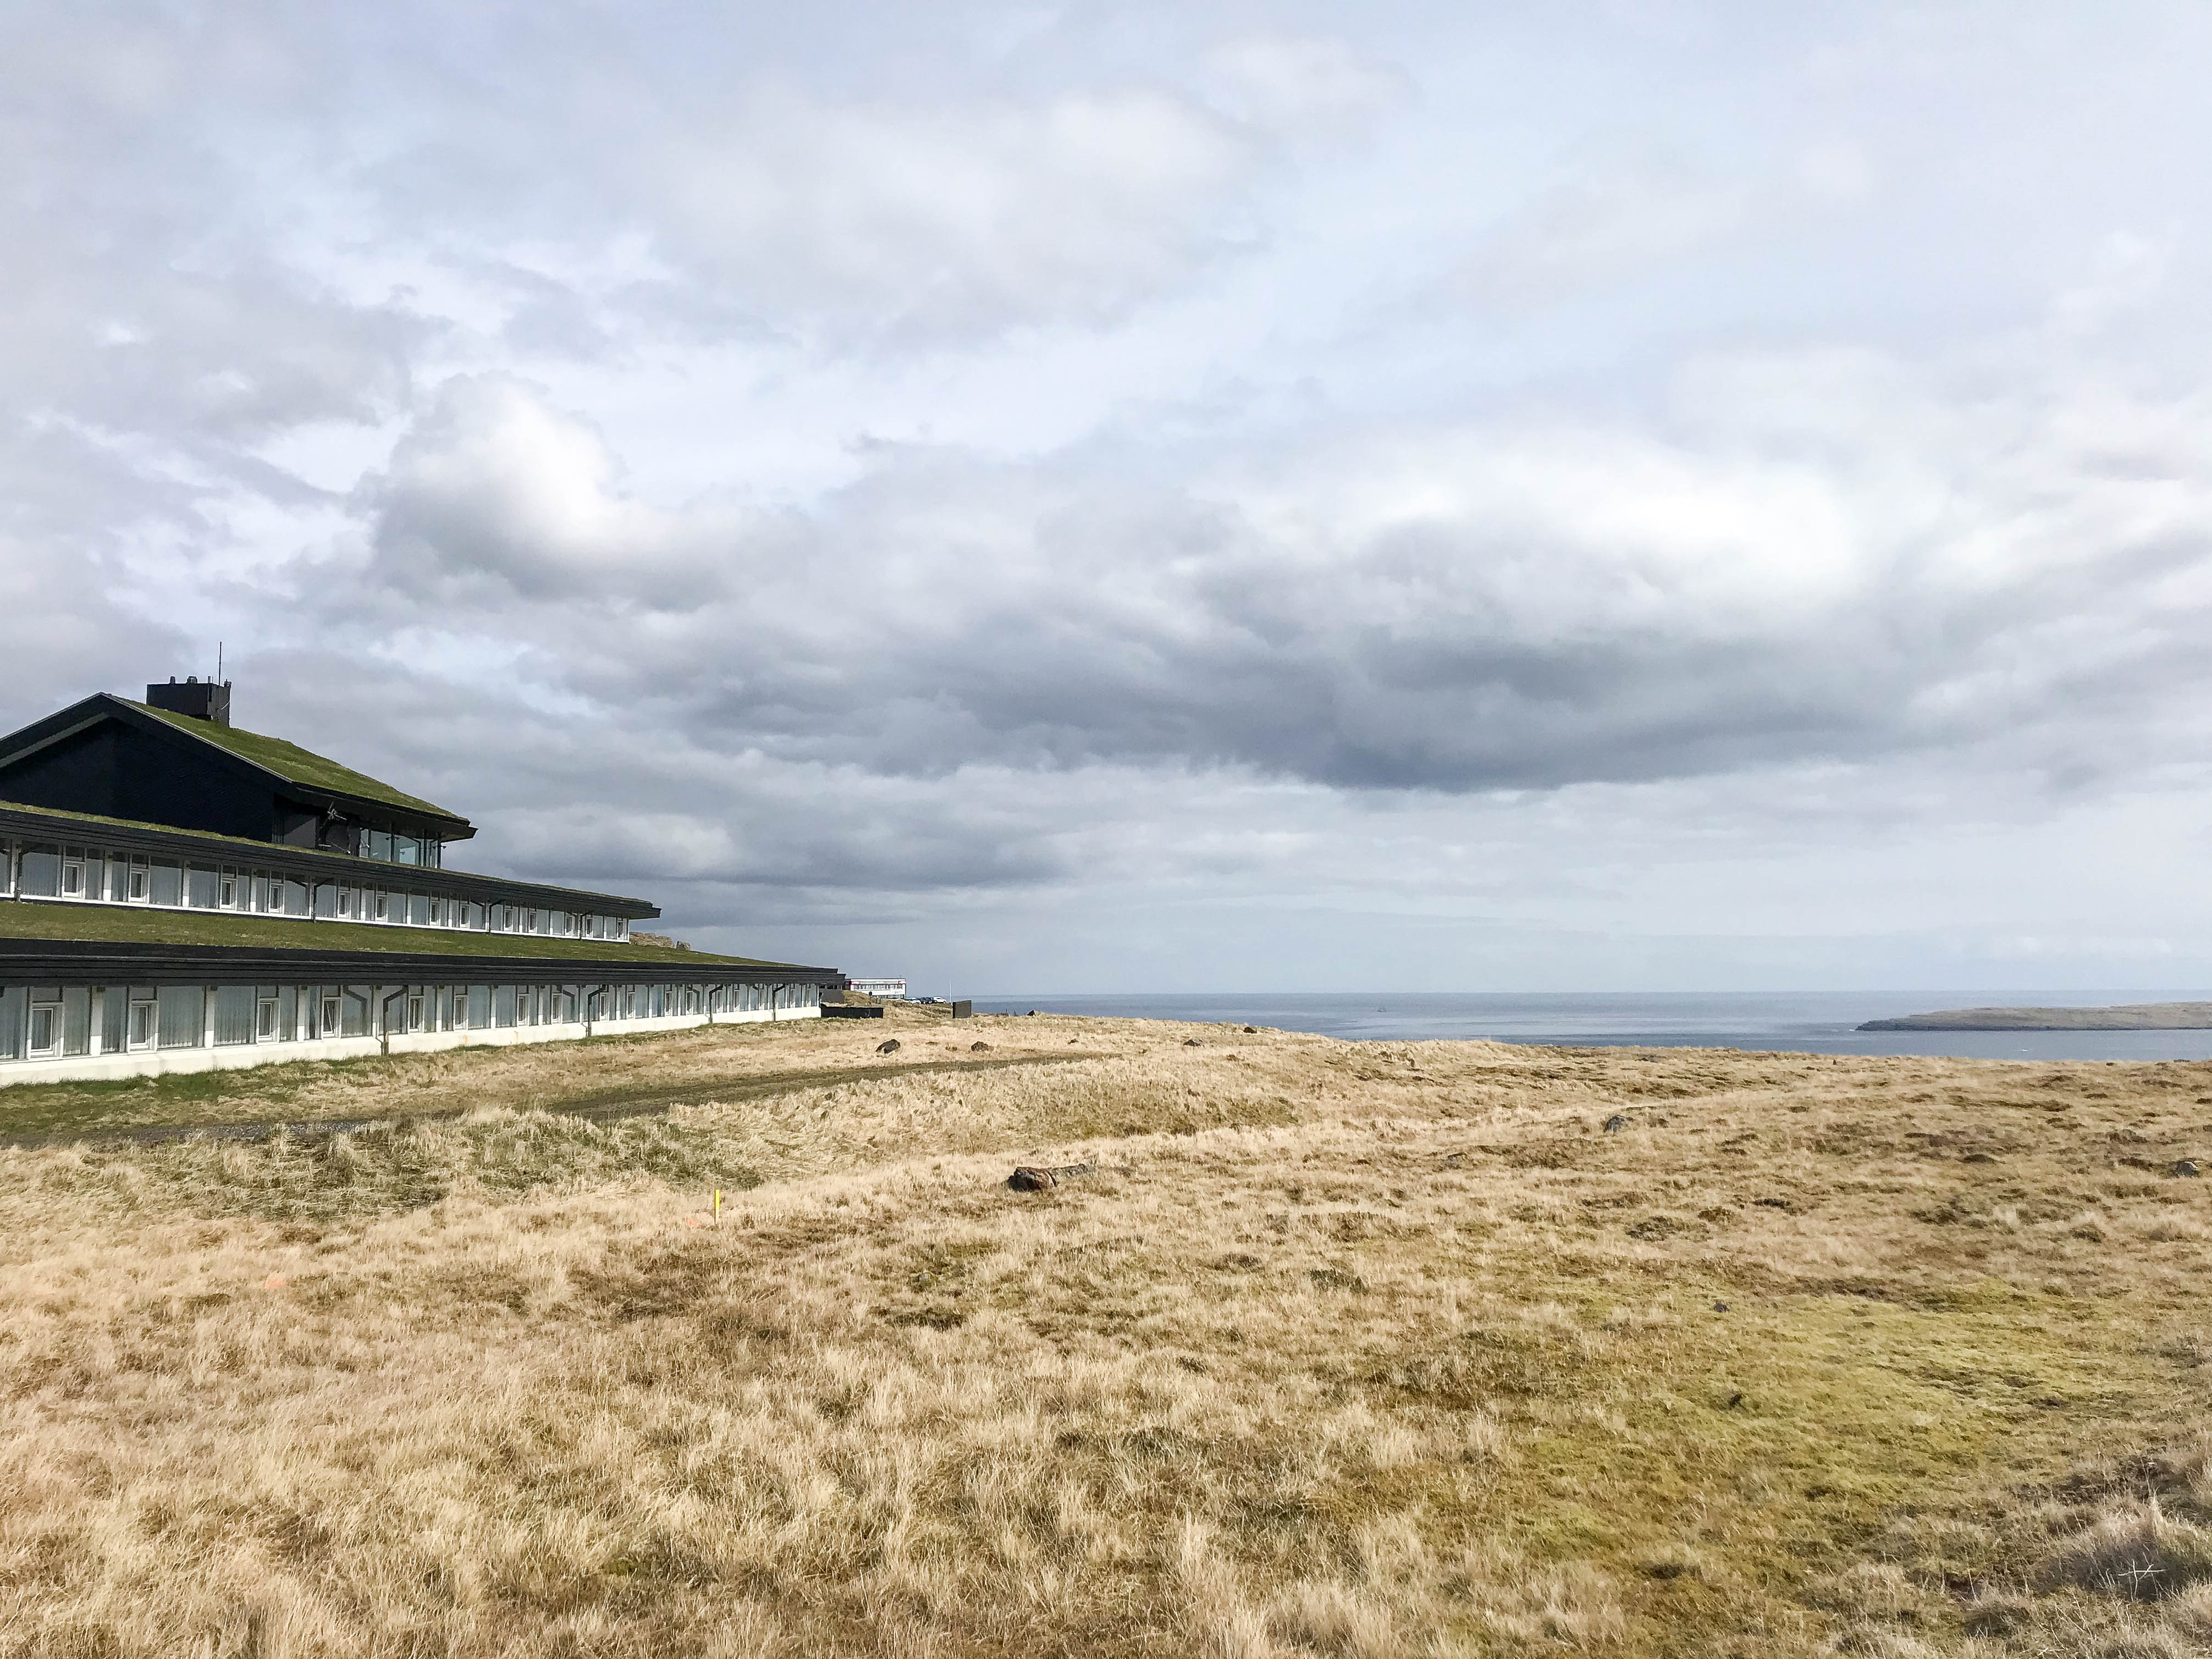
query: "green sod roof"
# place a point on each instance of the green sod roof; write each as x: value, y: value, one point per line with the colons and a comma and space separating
x: 294, y: 764
x: 110, y: 924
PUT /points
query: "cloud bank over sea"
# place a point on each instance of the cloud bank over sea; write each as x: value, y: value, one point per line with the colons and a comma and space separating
x: 1586, y: 495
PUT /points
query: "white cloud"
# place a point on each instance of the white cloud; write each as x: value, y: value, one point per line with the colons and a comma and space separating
x: 879, y: 219
x: 1303, y: 87
x: 492, y: 483
x: 1611, y: 217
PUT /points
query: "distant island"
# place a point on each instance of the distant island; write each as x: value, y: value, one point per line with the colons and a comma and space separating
x: 2131, y: 1016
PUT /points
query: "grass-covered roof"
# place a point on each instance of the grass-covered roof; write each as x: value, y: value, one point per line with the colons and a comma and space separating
x: 109, y: 924
x: 294, y: 764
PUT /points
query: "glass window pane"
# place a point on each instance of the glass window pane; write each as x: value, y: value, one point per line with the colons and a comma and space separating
x: 42, y: 872
x: 183, y: 1015
x: 45, y: 1036
x: 200, y: 888
x: 233, y: 1013
x: 169, y: 882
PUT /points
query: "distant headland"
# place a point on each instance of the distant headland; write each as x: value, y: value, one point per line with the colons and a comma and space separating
x: 2130, y: 1017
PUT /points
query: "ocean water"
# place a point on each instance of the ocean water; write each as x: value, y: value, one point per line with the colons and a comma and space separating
x: 1809, y: 1021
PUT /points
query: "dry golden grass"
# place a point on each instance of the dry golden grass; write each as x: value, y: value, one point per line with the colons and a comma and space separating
x: 1356, y: 1349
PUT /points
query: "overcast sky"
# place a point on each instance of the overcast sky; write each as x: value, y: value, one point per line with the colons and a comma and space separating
x: 1205, y: 496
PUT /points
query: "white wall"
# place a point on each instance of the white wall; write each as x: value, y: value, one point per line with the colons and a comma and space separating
x: 234, y: 1056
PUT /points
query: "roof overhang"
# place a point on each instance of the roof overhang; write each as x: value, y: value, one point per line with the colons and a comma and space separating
x: 43, y: 961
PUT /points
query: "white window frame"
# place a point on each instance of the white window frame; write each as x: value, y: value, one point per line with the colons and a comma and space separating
x: 52, y: 1047
x: 141, y: 1024
x: 264, y: 1020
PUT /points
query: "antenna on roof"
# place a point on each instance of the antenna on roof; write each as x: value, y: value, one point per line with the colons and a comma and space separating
x: 218, y: 662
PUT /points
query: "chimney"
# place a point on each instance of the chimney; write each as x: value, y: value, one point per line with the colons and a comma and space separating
x: 203, y: 699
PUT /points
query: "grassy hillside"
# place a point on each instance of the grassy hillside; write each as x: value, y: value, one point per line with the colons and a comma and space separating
x: 2126, y: 1016
x: 1358, y: 1349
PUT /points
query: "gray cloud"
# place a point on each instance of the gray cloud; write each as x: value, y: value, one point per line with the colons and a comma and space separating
x: 1453, y: 608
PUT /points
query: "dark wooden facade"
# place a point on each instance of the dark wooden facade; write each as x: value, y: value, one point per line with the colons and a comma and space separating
x: 106, y: 757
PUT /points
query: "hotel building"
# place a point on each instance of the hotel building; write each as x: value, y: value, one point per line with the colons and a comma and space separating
x: 178, y: 894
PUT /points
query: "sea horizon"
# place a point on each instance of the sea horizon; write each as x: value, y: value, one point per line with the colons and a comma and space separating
x: 1804, y: 1022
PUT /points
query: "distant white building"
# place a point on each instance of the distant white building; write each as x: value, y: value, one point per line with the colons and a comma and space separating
x: 890, y: 990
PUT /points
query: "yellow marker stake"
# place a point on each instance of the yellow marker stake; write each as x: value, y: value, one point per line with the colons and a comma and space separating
x: 718, y: 1203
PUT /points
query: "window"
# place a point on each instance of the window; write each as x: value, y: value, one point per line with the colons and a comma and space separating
x: 418, y: 910
x: 384, y: 907
x: 415, y: 1012
x: 200, y: 888
x: 183, y: 1018
x: 139, y: 1034
x: 46, y: 1028
x: 226, y: 895
x: 169, y: 882
x: 377, y: 844
x: 345, y: 901
x: 72, y: 876
x: 437, y: 913
x: 332, y: 1018
x: 233, y: 1013
x: 140, y: 889
x: 405, y: 849
x: 42, y: 872
x: 264, y: 1020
